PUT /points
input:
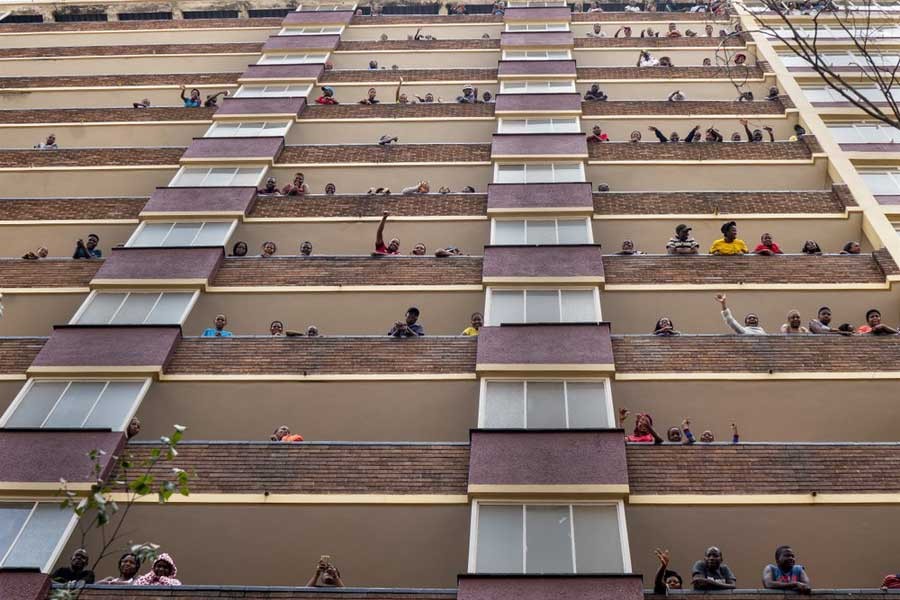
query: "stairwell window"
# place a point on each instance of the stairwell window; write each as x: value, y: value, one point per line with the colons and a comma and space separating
x: 217, y: 177
x: 882, y: 183
x: 537, y: 27
x: 151, y: 234
x: 536, y: 404
x: 822, y: 94
x: 135, y: 308
x: 537, y: 87
x: 273, y: 91
x: 536, y: 55
x: 555, y: 125
x: 248, y: 129
x: 32, y: 534
x: 541, y: 231
x: 326, y: 30
x: 293, y: 59
x: 76, y: 404
x: 549, y: 538
x: 863, y: 133
x: 542, y: 306
x: 539, y: 172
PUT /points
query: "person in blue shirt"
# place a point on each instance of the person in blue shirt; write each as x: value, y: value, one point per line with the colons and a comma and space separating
x: 89, y: 249
x: 219, y: 330
x: 786, y: 574
x: 409, y: 327
x: 193, y: 101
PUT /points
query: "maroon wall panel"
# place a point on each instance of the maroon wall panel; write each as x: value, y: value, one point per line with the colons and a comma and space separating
x: 23, y: 585
x: 202, y: 199
x: 543, y: 261
x: 545, y: 344
x: 262, y: 106
x: 544, y: 587
x: 48, y: 456
x: 539, y: 144
x: 301, y: 42
x: 227, y: 148
x: 318, y: 17
x: 162, y: 263
x: 537, y: 67
x: 539, y: 195
x: 89, y: 346
x: 284, y: 72
x: 537, y: 39
x: 525, y: 457
x: 538, y: 102
x: 534, y: 15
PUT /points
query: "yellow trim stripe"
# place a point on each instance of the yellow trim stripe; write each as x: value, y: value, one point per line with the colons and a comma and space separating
x: 492, y: 490
x: 756, y: 499
x: 210, y: 498
x: 746, y: 376
x: 649, y: 287
x: 483, y: 367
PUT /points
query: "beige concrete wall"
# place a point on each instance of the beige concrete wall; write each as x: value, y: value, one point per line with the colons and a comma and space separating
x: 619, y: 128
x: 351, y: 179
x: 36, y: 314
x: 651, y: 235
x: 373, y: 546
x: 628, y: 57
x: 780, y: 411
x: 199, y: 63
x: 16, y: 240
x: 841, y: 547
x: 40, y: 183
x: 445, y: 131
x: 135, y: 38
x: 461, y: 31
x: 129, y: 135
x: 420, y: 59
x: 698, y: 312
x: 719, y: 89
x: 109, y: 97
x: 397, y: 411
x: 335, y: 313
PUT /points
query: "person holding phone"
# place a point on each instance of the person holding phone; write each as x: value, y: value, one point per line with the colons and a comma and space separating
x: 326, y: 574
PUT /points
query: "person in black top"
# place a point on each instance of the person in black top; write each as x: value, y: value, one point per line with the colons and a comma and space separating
x: 665, y: 579
x: 77, y: 569
x: 711, y: 573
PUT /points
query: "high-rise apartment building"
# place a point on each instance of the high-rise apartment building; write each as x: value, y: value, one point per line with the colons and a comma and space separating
x: 442, y: 466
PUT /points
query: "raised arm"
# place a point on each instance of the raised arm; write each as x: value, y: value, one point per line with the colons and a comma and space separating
x: 770, y: 132
x: 182, y: 92
x: 693, y: 134
x: 747, y: 130
x: 379, y: 233
x: 659, y: 134
x: 659, y: 582
x: 728, y: 317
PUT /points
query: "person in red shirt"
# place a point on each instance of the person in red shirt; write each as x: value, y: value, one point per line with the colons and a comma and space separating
x: 643, y: 428
x: 598, y: 135
x: 393, y: 247
x: 767, y: 246
x: 327, y: 96
x: 283, y: 434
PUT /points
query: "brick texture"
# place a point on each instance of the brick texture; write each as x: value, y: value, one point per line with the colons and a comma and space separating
x: 47, y: 272
x: 628, y: 17
x: 444, y: 110
x: 283, y: 468
x: 885, y: 262
x: 660, y: 42
x: 273, y: 22
x: 89, y: 157
x: 756, y: 354
x: 423, y: 19
x: 685, y: 109
x: 403, y: 153
x: 105, y: 115
x: 186, y: 79
x: 368, y: 206
x: 707, y: 269
x: 253, y: 48
x: 323, y: 356
x: 17, y: 354
x: 763, y: 469
x: 609, y: 73
x: 70, y: 209
x: 349, y: 270
x: 408, y: 75
x: 735, y: 151
x: 472, y: 44
x: 702, y: 203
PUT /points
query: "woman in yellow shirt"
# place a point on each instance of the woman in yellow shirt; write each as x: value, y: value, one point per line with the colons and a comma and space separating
x: 477, y: 321
x: 729, y: 244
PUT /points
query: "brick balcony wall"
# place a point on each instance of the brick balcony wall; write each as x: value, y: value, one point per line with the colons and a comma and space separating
x: 47, y: 272
x: 408, y: 75
x: 676, y: 72
x: 175, y: 79
x: 273, y: 22
x: 413, y: 45
x: 106, y: 115
x: 403, y: 153
x: 699, y: 203
x: 147, y: 49
x: 17, y: 354
x: 65, y: 209
x: 686, y: 109
x: 735, y: 151
x: 443, y: 110
x: 89, y: 157
x: 368, y: 206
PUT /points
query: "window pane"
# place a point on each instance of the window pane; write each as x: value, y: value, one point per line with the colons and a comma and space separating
x: 548, y: 540
x: 135, y: 309
x: 587, y: 404
x: 212, y: 234
x: 36, y: 405
x: 499, y: 545
x: 879, y: 183
x: 101, y: 309
x: 152, y: 234
x: 546, y: 405
x: 190, y: 177
x: 507, y: 307
x: 115, y: 404
x: 510, y: 174
x: 12, y: 517
x: 43, y: 532
x: 514, y: 126
x: 503, y: 404
x: 75, y: 404
x: 542, y: 307
x: 541, y: 232
x: 539, y: 174
x: 573, y: 232
x: 568, y: 173
x: 578, y: 306
x: 170, y: 308
x: 598, y: 546
x: 540, y: 126
x: 844, y: 134
x: 247, y: 177
x: 182, y: 234
x: 509, y: 232
x: 219, y: 177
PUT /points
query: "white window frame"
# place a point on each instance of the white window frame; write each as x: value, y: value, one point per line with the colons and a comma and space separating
x: 525, y: 27
x: 607, y: 396
x: 325, y: 7
x: 524, y: 171
x: 536, y: 3
x: 537, y: 55
x: 556, y: 220
x: 140, y: 229
x: 620, y: 517
x: 535, y: 124
x: 20, y: 397
x: 488, y: 301
x: 894, y: 175
x: 94, y: 293
x: 529, y: 86
x: 220, y: 129
x: 57, y: 550
x: 293, y: 58
x: 826, y: 94
x: 311, y: 30
x: 209, y: 170
x: 865, y: 133
x: 274, y: 90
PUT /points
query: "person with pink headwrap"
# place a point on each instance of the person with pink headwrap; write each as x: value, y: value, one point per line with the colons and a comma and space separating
x: 163, y: 572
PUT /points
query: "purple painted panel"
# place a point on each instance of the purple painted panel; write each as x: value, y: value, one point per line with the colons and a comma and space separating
x: 267, y: 148
x: 318, y: 17
x: 201, y: 200
x: 23, y: 585
x: 538, y: 15
x: 543, y: 261
x: 537, y: 67
x: 539, y: 144
x: 538, y: 102
x: 288, y: 73
x: 161, y: 263
x: 544, y: 345
x: 537, y: 39
x: 888, y: 199
x: 547, y: 458
x: 301, y: 42
x: 48, y: 456
x: 262, y: 106
x: 870, y: 147
x: 543, y: 587
x: 539, y: 195
x: 75, y: 346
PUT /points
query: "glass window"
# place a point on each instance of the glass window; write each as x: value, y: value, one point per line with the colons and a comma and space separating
x: 539, y: 173
x: 500, y: 545
x: 217, y: 177
x: 531, y: 404
x: 541, y: 231
x: 135, y: 308
x: 595, y: 527
x: 537, y: 55
x: 863, y: 133
x: 537, y: 87
x: 30, y: 533
x: 272, y: 91
x: 76, y: 404
x: 542, y: 306
x: 537, y: 27
x: 248, y: 129
x: 882, y: 182
x: 325, y: 7
x: 558, y: 125
x: 327, y: 30
x: 190, y: 233
x: 292, y: 59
